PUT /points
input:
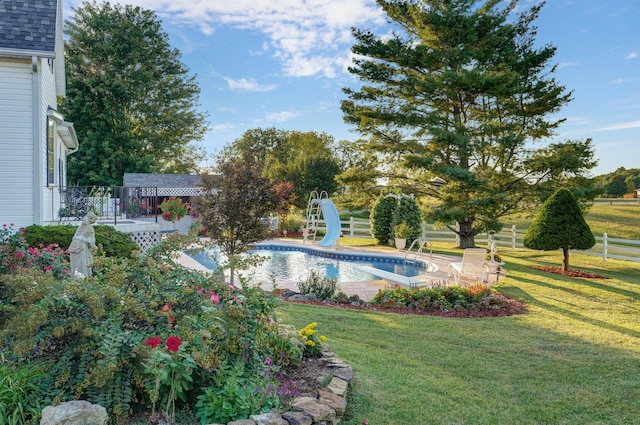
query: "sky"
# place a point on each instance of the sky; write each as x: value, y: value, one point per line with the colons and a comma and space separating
x: 283, y: 64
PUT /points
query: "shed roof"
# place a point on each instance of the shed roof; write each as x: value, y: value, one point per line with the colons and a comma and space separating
x: 161, y: 180
x: 28, y: 25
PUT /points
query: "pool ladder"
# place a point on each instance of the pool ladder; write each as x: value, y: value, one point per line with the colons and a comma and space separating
x: 314, y: 212
x: 422, y: 242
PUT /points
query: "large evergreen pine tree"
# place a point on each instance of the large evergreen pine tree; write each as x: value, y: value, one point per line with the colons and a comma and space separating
x: 460, y: 94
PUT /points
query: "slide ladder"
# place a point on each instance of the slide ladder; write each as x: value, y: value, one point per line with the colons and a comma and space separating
x: 422, y: 243
x: 314, y: 211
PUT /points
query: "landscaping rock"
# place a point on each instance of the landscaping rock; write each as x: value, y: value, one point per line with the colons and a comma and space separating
x: 334, y: 401
x: 242, y: 422
x: 317, y: 411
x: 271, y: 418
x: 77, y: 412
x: 337, y: 386
x: 297, y: 418
x: 344, y: 373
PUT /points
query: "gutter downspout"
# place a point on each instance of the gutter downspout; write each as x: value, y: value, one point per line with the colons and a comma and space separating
x: 38, y: 181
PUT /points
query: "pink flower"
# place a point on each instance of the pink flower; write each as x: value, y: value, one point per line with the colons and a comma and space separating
x: 47, y: 268
x: 215, y: 299
x: 173, y: 343
x: 153, y: 342
x: 19, y: 254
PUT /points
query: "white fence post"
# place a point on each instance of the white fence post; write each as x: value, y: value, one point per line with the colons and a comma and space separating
x: 351, y: 226
x: 457, y: 234
x: 513, y: 237
x: 604, y: 247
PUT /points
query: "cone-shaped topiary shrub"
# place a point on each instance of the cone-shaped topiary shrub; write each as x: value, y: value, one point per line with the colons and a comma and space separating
x: 408, y: 212
x: 382, y: 219
x: 560, y: 224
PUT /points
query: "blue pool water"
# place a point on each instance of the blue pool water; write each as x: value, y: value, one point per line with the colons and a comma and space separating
x: 295, y: 263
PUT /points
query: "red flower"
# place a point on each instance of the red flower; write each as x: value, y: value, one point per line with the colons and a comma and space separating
x: 153, y: 342
x: 173, y: 343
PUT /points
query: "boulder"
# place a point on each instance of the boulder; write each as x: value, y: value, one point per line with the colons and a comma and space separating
x: 77, y: 412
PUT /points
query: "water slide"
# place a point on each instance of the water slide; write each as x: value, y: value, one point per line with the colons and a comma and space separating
x: 332, y: 220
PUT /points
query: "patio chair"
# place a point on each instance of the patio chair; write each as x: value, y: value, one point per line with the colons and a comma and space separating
x: 472, y: 265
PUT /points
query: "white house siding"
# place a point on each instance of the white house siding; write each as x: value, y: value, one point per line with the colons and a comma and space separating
x: 51, y: 199
x: 16, y: 143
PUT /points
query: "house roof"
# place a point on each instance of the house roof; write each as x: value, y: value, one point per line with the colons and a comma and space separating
x: 28, y: 25
x: 161, y: 180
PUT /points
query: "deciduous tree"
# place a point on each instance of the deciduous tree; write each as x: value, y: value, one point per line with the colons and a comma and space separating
x: 132, y: 101
x: 234, y: 205
x: 459, y: 96
x: 305, y: 159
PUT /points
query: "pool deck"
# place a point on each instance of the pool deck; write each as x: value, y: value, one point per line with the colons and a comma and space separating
x: 365, y: 290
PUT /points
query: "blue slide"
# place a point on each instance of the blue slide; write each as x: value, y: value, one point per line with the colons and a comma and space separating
x: 332, y: 220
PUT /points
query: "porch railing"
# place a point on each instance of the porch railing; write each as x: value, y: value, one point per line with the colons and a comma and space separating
x: 110, y: 203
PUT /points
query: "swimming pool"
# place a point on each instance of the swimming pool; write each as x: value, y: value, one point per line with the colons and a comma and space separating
x: 295, y: 263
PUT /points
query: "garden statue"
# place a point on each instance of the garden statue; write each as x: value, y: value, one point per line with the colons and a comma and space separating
x: 83, y: 246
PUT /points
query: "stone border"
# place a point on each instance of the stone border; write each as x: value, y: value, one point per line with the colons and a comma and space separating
x: 326, y: 408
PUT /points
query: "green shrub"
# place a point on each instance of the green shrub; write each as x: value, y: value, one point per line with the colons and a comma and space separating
x: 95, y: 331
x: 112, y: 242
x: 237, y: 394
x: 322, y: 287
x: 382, y: 219
x: 293, y: 222
x: 402, y: 230
x: 433, y: 297
x: 16, y: 255
x: 408, y: 212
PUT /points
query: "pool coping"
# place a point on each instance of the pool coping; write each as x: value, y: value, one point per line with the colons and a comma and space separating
x: 365, y: 289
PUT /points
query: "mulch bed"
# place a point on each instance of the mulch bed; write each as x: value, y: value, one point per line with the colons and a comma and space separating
x: 570, y: 272
x: 509, y: 307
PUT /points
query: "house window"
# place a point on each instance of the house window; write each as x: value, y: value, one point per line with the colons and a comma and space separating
x: 50, y: 152
x: 60, y: 172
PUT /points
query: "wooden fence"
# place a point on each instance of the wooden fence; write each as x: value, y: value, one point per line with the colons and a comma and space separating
x: 510, y: 238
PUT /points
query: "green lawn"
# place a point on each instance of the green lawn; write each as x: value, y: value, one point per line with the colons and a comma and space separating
x: 619, y: 221
x: 573, y: 359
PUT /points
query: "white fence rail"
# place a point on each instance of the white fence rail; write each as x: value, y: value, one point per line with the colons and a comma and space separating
x: 605, y: 247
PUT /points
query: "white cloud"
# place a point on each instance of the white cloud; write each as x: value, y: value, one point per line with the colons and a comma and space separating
x: 308, y: 36
x: 632, y: 55
x: 280, y: 116
x: 227, y: 109
x: 625, y: 80
x: 248, y: 85
x: 219, y: 128
x: 567, y: 64
x: 621, y: 126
